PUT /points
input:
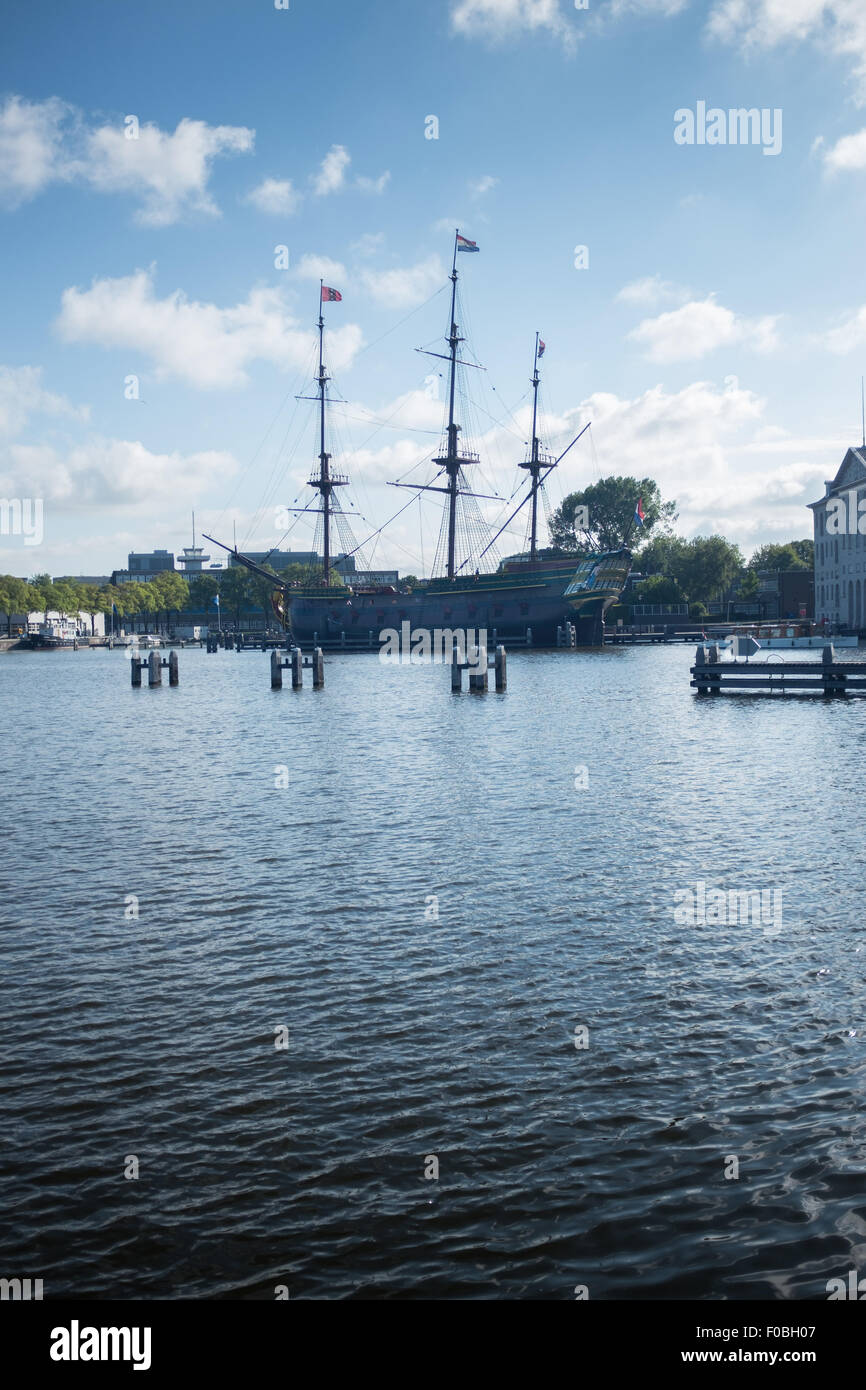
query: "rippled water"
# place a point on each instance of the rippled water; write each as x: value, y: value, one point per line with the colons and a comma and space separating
x: 304, y: 907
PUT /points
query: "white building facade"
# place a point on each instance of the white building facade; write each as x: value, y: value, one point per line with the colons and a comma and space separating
x: 840, y: 546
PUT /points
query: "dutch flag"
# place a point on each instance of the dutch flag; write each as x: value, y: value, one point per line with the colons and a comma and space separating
x: 464, y: 244
x: 639, y: 512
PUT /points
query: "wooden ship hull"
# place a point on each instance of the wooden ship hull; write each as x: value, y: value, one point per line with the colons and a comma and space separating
x: 507, y: 603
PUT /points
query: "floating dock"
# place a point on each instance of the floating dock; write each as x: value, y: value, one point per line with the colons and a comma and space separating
x: 711, y: 675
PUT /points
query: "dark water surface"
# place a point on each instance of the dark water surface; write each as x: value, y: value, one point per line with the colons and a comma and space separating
x: 304, y: 907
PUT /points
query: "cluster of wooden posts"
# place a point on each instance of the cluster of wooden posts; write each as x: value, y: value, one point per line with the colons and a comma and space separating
x: 155, y: 667
x: 566, y: 636
x: 478, y: 679
x: 295, y: 661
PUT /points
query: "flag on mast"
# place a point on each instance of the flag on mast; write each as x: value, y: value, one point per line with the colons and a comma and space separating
x: 639, y: 512
x: 541, y: 346
x: 464, y: 244
x: 330, y: 296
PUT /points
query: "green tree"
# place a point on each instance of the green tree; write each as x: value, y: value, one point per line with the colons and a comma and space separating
x: 611, y: 504
x: 169, y: 593
x: 709, y: 566
x: 42, y: 586
x: 202, y: 591
x: 658, y: 588
x: 664, y: 555
x: 91, y: 604
x: 16, y: 596
x: 132, y: 602
x: 234, y: 591
x: 107, y: 596
x: 68, y: 598
x: 748, y: 587
x: 792, y: 555
x: 260, y: 592
x: 700, y: 568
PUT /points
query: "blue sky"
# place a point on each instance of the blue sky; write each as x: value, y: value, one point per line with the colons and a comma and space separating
x: 716, y: 339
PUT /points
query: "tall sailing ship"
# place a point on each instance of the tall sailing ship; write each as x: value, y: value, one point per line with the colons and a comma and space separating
x: 526, y: 597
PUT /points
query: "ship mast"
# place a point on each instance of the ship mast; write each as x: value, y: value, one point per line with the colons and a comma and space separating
x: 326, y: 481
x: 454, y: 458
x: 535, y: 463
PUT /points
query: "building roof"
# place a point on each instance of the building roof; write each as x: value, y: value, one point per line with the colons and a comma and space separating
x: 852, y: 473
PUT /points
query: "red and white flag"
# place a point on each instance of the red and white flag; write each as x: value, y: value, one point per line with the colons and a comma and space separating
x: 330, y: 296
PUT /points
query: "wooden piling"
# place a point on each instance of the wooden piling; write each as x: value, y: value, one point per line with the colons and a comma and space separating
x: 276, y: 671
x: 135, y: 670
x: 173, y: 672
x: 154, y: 669
x: 297, y: 659
x: 500, y: 668
x: 318, y: 668
x: 477, y: 678
x: 456, y: 669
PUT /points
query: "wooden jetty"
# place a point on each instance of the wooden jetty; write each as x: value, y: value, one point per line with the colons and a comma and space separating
x: 710, y: 675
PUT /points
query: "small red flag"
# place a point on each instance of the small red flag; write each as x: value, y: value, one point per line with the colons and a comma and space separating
x: 329, y: 296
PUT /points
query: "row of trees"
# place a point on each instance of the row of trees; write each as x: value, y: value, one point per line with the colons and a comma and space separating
x: 156, y: 603
x: 677, y: 570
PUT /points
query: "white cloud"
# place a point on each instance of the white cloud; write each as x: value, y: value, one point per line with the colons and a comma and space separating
x: 110, y: 473
x: 368, y: 244
x: 650, y: 291
x: 22, y: 395
x: 700, y: 327
x: 331, y: 177
x: 649, y: 7
x: 847, y: 154
x: 838, y: 25
x: 499, y: 19
x: 31, y: 154
x: 203, y: 344
x: 482, y: 186
x: 373, y: 185
x: 709, y: 449
x: 332, y: 174
x: 849, y: 334
x: 169, y: 173
x: 701, y: 444
x: 277, y: 196
x: 405, y: 287
x: 46, y: 142
x: 320, y: 268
